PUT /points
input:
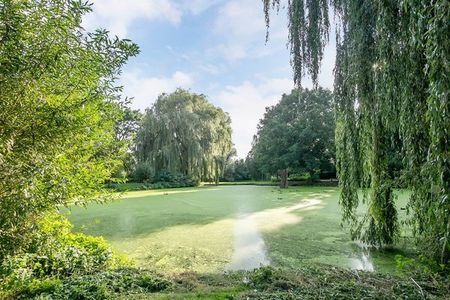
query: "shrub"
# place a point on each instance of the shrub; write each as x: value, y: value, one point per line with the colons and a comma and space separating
x: 59, y: 264
x: 164, y: 179
x: 55, y: 253
x: 168, y: 179
x: 101, y: 285
x: 263, y: 276
x: 142, y: 173
x: 299, y: 177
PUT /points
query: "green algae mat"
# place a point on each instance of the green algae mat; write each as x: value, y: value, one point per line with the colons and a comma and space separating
x: 219, y: 228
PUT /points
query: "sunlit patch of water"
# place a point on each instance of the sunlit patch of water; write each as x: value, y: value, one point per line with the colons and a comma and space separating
x: 249, y: 247
x: 275, y: 218
x: 249, y: 251
x: 362, y: 261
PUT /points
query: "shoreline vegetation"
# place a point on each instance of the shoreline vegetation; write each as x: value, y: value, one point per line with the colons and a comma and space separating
x: 139, y: 186
x: 312, y: 282
x: 107, y: 275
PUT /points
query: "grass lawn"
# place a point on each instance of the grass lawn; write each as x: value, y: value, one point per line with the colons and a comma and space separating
x: 193, y: 229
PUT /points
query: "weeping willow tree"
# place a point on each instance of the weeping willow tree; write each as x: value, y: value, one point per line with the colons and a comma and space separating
x: 184, y: 133
x: 391, y: 84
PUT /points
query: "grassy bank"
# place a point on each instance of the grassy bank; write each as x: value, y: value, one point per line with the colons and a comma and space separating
x: 137, y: 186
x: 313, y: 282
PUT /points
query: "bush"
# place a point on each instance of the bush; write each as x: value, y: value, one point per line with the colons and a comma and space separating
x: 59, y: 264
x: 168, y: 179
x: 263, y: 276
x: 101, y: 285
x: 142, y: 173
x: 55, y: 253
x: 144, y: 179
x: 299, y: 177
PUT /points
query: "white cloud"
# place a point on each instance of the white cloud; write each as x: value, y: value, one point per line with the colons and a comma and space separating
x: 240, y: 19
x: 196, y: 7
x: 241, y: 25
x: 145, y: 90
x: 117, y: 15
x: 246, y: 104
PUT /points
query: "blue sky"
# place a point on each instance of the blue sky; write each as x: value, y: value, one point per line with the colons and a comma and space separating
x: 213, y: 47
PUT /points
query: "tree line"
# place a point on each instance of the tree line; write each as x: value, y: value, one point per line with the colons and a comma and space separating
x: 184, y: 137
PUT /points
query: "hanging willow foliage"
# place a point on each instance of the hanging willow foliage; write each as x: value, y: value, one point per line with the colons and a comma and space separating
x: 184, y: 133
x: 391, y: 85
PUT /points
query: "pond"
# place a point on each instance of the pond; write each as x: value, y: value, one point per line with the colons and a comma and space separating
x: 214, y: 229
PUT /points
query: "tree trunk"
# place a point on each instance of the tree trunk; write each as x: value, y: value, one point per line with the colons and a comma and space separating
x: 283, y: 178
x: 216, y: 173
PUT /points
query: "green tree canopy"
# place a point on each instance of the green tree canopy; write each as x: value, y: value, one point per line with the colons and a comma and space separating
x: 184, y: 133
x: 58, y: 107
x: 391, y: 82
x: 296, y: 134
x: 237, y: 170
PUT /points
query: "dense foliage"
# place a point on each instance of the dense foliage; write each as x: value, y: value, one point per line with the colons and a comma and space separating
x: 182, y: 133
x: 391, y: 86
x: 296, y: 134
x: 125, y: 132
x: 309, y: 282
x: 58, y: 107
x: 237, y: 170
x: 55, y: 253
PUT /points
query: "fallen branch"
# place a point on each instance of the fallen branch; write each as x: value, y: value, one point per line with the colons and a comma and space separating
x: 420, y: 289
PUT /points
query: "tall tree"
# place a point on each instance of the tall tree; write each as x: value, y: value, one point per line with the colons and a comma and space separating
x: 296, y: 134
x: 391, y: 81
x: 184, y: 133
x: 58, y: 107
x: 126, y: 129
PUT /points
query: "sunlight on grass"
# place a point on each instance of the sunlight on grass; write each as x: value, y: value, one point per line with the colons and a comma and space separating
x: 162, y: 192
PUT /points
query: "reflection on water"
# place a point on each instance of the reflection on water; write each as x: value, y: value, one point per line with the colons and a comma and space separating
x: 249, y: 248
x: 249, y: 251
x: 362, y: 263
x: 361, y: 260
